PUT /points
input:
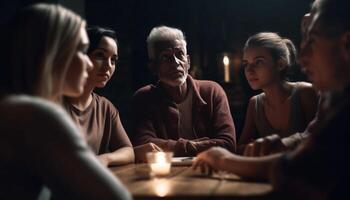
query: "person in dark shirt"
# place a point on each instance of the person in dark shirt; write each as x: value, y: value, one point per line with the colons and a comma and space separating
x: 318, y: 167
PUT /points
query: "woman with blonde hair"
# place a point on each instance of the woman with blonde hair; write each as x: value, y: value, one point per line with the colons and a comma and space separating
x: 283, y: 108
x: 44, y: 58
x: 318, y: 168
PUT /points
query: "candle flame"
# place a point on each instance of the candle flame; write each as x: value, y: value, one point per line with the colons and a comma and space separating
x: 226, y: 60
x: 160, y: 157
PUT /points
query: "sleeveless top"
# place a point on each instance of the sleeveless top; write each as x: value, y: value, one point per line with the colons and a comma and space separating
x: 297, y: 121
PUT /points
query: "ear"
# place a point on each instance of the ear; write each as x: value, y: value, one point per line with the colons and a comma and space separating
x: 344, y: 46
x: 152, y: 66
x: 281, y: 64
x: 189, y: 62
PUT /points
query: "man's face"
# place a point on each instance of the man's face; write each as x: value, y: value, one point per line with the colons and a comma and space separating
x: 320, y: 55
x: 171, y: 62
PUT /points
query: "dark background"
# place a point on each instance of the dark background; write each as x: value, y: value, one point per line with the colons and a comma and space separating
x: 212, y: 28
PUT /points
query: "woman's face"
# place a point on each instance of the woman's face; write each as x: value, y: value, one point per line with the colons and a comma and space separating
x: 104, y: 59
x: 77, y: 72
x: 259, y: 67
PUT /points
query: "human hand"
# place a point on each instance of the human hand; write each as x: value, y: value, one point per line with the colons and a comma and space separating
x: 141, y: 150
x: 211, y: 160
x: 265, y: 146
x: 103, y: 159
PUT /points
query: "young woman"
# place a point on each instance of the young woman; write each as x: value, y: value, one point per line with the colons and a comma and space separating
x: 283, y: 107
x: 318, y: 168
x: 43, y: 58
x: 96, y: 116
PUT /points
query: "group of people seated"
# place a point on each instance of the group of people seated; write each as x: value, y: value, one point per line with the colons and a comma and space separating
x: 58, y: 135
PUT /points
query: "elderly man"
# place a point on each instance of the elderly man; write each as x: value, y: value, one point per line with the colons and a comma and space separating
x: 179, y: 113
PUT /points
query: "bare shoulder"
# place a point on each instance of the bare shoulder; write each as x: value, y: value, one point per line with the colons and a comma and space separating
x: 308, y: 96
x: 306, y: 90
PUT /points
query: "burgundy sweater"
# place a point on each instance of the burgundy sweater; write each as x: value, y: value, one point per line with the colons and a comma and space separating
x: 156, y: 117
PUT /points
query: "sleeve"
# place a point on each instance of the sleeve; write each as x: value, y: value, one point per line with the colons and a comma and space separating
x: 144, y: 130
x: 320, y: 163
x: 56, y: 152
x: 225, y: 134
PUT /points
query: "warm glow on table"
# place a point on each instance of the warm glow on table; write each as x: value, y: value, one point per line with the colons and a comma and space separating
x: 160, y: 165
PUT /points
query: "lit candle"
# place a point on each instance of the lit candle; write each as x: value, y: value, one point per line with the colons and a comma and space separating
x: 226, y: 62
x: 160, y: 166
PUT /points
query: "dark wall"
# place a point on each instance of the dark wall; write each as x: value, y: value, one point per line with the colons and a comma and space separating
x: 211, y: 27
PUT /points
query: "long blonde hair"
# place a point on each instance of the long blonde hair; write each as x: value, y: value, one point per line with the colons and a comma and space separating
x: 43, y: 39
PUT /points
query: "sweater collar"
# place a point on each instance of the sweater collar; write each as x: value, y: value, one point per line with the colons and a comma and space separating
x: 192, y: 84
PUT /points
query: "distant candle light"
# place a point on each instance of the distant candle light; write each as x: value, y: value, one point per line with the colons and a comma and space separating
x: 226, y: 62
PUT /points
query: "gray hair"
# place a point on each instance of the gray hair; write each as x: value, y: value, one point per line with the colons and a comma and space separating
x: 334, y: 15
x: 163, y: 33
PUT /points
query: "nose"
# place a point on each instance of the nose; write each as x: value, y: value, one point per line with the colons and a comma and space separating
x: 174, y: 59
x: 304, y: 54
x: 89, y: 64
x: 108, y: 63
x: 249, y: 68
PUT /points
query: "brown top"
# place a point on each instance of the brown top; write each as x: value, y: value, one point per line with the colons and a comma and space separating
x: 156, y: 118
x: 100, y: 125
x: 40, y: 147
x: 185, y: 116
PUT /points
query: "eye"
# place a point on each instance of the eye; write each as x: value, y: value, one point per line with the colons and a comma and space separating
x: 84, y: 50
x: 180, y: 54
x: 114, y: 60
x: 259, y: 62
x: 98, y: 55
x: 83, y: 47
x: 165, y: 57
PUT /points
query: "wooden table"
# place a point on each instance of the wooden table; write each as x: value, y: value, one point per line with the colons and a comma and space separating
x: 184, y: 183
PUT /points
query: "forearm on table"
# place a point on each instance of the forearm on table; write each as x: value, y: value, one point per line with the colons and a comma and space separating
x: 225, y: 142
x: 249, y: 167
x: 120, y: 156
x: 293, y: 140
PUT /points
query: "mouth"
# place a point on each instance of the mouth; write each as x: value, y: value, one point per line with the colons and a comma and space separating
x: 253, y: 80
x: 104, y: 76
x: 177, y: 73
x: 84, y: 80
